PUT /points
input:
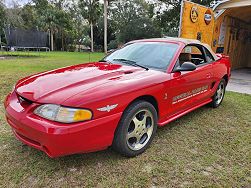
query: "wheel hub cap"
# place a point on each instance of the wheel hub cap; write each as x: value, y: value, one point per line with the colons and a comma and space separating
x: 220, y: 93
x: 140, y: 130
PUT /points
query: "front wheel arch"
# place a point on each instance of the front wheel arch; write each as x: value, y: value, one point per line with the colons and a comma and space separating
x: 119, y: 142
x: 225, y: 77
x: 148, y: 98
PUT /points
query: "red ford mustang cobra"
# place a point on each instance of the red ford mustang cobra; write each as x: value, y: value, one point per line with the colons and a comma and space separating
x: 119, y: 101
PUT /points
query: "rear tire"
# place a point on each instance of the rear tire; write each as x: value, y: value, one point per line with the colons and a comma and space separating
x: 136, y: 129
x: 219, y: 94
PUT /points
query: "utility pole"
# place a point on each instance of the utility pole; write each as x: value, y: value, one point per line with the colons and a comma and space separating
x: 105, y: 25
x: 92, y: 42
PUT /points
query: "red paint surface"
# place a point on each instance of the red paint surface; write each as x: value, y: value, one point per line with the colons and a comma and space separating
x: 95, y: 85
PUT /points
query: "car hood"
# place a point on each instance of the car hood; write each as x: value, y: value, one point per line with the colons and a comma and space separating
x: 61, y: 84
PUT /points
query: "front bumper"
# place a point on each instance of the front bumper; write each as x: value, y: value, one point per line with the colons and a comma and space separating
x: 57, y: 139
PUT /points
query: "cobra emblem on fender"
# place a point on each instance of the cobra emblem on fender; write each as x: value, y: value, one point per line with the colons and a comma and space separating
x: 107, y: 108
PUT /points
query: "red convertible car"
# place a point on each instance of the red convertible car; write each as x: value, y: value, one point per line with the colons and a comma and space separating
x: 119, y: 101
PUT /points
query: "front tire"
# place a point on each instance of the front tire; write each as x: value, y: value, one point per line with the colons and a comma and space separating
x: 219, y: 94
x: 136, y: 129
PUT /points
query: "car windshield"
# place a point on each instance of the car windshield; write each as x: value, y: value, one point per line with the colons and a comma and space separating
x: 156, y: 55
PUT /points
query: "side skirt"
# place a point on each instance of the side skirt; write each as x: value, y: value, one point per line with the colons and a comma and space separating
x: 174, y: 117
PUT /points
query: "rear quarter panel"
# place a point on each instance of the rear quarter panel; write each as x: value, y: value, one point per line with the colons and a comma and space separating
x: 221, y: 68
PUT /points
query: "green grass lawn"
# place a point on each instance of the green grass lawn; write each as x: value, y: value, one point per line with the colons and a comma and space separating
x: 208, y: 147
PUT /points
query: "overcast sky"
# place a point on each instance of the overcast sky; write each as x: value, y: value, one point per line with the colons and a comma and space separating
x: 9, y: 3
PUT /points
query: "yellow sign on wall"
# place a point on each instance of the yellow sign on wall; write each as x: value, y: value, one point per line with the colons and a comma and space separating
x: 197, y: 22
x: 194, y: 14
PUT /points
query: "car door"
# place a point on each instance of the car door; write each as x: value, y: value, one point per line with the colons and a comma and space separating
x: 191, y: 88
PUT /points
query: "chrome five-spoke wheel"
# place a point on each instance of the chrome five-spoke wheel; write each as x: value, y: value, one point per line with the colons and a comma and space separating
x: 220, y: 93
x: 136, y: 129
x: 140, y: 130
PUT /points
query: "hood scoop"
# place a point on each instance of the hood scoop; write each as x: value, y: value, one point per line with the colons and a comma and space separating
x: 120, y: 76
x: 128, y: 72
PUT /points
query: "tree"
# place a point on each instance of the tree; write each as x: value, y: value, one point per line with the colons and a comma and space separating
x: 2, y: 21
x: 29, y: 16
x: 64, y: 20
x: 80, y: 31
x: 105, y: 25
x: 132, y: 20
x: 90, y: 10
x: 54, y: 18
x: 13, y: 17
x: 2, y: 15
x: 98, y: 31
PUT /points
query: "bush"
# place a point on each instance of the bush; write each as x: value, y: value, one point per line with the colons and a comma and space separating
x: 113, y: 44
x: 71, y: 48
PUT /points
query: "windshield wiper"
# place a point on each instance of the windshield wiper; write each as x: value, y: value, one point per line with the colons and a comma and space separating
x: 102, y: 60
x: 130, y: 62
x: 105, y: 61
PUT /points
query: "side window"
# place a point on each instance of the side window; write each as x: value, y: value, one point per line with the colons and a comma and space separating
x: 197, y: 54
x: 209, y: 56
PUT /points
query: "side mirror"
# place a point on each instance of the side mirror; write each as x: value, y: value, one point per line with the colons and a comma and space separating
x: 186, y: 66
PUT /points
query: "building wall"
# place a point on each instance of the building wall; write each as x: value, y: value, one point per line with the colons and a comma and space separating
x: 237, y: 43
x: 249, y: 59
x: 190, y: 29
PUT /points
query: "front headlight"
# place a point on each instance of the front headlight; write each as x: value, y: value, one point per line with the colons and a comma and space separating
x: 63, y: 114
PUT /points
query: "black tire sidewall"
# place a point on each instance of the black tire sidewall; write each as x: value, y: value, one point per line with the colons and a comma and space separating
x: 120, y: 141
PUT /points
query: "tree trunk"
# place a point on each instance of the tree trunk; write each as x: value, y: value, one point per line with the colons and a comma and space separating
x: 62, y: 40
x: 79, y: 50
x: 52, y: 40
x: 92, y: 48
x: 105, y: 26
x: 49, y: 33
